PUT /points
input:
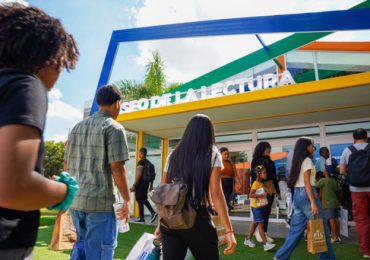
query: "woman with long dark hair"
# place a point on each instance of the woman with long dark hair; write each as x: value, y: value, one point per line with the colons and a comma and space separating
x: 306, y: 202
x: 261, y: 156
x: 228, y: 176
x: 197, y: 161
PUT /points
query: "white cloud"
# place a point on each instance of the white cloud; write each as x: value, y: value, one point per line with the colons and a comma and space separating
x: 57, y: 137
x: 186, y: 59
x: 60, y: 109
x: 5, y: 2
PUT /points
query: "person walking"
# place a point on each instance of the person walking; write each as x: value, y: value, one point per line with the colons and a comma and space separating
x: 320, y: 165
x: 95, y: 155
x: 261, y: 155
x: 228, y: 176
x: 141, y: 186
x: 197, y: 161
x: 330, y: 201
x: 34, y: 49
x: 360, y: 194
x: 306, y: 202
x: 258, y: 203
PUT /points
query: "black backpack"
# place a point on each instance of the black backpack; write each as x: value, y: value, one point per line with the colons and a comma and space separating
x: 149, y: 171
x: 359, y: 167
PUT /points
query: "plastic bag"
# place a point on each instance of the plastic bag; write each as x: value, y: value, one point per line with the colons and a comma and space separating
x: 344, y: 222
x: 143, y: 247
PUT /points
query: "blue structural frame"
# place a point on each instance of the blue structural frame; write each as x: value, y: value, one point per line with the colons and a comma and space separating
x: 353, y: 19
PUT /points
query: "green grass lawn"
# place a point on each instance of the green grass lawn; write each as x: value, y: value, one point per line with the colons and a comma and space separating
x: 126, y: 242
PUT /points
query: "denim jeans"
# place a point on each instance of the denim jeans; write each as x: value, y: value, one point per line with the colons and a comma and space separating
x: 96, y: 235
x: 301, y: 214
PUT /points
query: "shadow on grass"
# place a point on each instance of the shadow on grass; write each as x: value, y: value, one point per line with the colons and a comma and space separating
x: 127, y: 240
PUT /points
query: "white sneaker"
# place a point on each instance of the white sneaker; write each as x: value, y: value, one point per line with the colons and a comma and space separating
x: 268, y: 247
x: 366, y: 256
x: 249, y: 243
x: 270, y: 239
x: 258, y: 236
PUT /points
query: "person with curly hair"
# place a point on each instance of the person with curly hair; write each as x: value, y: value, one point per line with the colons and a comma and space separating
x: 34, y: 49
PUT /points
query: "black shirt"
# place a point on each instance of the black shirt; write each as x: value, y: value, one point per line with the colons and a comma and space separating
x: 23, y: 100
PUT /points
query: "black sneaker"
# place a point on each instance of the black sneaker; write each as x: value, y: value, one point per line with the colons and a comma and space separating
x: 139, y: 221
x: 153, y: 218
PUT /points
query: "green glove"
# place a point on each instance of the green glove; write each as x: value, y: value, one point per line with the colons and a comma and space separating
x: 72, y: 187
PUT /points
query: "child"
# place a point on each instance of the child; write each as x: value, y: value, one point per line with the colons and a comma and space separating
x: 258, y: 203
x: 330, y: 200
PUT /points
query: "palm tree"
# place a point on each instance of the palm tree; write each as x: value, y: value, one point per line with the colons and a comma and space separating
x: 154, y: 83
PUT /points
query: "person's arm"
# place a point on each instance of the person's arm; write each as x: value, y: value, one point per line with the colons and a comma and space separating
x: 343, y: 169
x: 21, y: 188
x: 119, y: 176
x: 139, y: 174
x: 253, y: 172
x: 236, y: 178
x: 307, y: 184
x: 274, y: 179
x: 218, y: 199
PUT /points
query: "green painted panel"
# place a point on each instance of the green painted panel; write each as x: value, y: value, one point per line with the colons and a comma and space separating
x: 251, y: 60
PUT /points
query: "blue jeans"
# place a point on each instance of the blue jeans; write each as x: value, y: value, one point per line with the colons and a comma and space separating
x: 96, y: 235
x: 301, y: 214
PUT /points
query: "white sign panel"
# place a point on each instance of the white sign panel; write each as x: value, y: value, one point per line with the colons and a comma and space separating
x: 232, y: 87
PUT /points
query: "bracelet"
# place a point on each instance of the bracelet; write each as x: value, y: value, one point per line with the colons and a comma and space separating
x: 230, y: 231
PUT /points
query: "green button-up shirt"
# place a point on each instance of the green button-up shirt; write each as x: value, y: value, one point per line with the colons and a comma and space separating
x: 93, y: 144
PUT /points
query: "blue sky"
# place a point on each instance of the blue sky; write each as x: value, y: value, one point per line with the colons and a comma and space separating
x: 91, y: 23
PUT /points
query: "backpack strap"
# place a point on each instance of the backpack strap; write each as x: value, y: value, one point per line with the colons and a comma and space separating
x: 352, y: 148
x: 367, y: 148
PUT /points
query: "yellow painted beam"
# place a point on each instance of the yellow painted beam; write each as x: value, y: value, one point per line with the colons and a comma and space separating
x: 255, y: 96
x: 164, y: 155
x: 139, y: 144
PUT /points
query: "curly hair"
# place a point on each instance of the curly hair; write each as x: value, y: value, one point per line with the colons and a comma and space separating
x: 31, y: 40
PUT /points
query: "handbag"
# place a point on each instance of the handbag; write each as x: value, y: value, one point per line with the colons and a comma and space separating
x: 64, y: 234
x: 174, y: 209
x: 316, y: 239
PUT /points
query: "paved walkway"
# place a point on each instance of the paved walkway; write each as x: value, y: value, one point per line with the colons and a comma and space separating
x: 279, y: 230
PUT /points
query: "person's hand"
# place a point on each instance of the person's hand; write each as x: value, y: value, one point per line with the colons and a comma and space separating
x: 315, y: 209
x: 132, y: 189
x: 231, y: 243
x: 157, y: 233
x: 124, y: 212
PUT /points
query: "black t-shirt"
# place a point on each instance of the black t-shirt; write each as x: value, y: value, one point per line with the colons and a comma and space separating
x: 23, y: 100
x: 141, y: 163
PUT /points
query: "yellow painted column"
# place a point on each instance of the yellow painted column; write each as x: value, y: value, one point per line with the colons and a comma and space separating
x: 164, y: 155
x: 139, y: 144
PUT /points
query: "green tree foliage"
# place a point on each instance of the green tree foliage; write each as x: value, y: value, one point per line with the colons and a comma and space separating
x: 53, y: 158
x: 154, y: 82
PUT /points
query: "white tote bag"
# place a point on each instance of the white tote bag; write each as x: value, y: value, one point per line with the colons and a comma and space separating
x: 142, y: 248
x: 344, y: 222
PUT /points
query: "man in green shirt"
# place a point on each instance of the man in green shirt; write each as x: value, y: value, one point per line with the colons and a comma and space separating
x: 330, y: 200
x: 96, y: 155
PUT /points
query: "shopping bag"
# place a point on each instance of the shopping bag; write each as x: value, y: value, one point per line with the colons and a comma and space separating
x: 143, y: 247
x: 344, y: 222
x: 316, y: 241
x: 220, y: 229
x: 64, y: 234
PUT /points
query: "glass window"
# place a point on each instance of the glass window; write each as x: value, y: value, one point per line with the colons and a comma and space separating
x: 336, y: 150
x: 233, y: 138
x: 334, y: 63
x: 264, y: 68
x: 346, y: 128
x: 301, y: 65
x: 297, y: 132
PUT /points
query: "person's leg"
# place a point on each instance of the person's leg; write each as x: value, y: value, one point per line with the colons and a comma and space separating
x: 251, y: 230
x: 78, y: 251
x: 262, y: 232
x: 360, y: 209
x: 270, y: 199
x: 141, y: 209
x: 173, y: 246
x: 329, y: 255
x: 101, y: 235
x: 227, y: 188
x: 149, y: 207
x: 297, y: 226
x: 332, y: 229
x: 202, y: 239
